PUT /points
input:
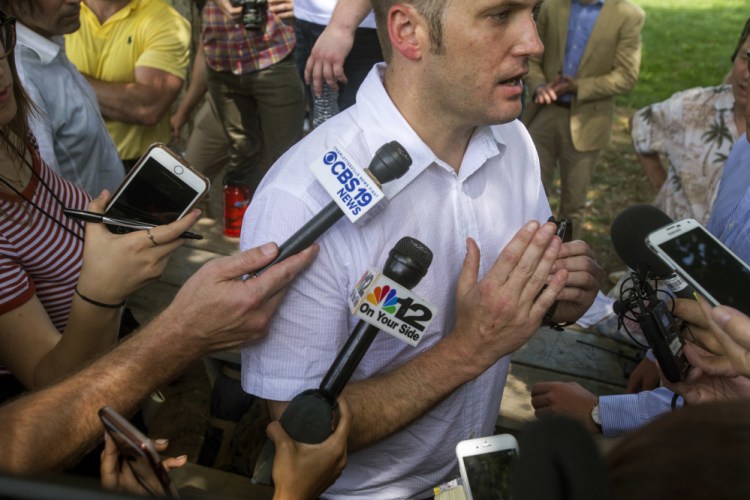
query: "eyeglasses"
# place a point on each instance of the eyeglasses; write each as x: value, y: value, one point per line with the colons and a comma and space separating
x: 7, y: 33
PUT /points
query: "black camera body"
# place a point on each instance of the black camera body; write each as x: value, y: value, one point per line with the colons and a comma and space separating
x: 254, y: 13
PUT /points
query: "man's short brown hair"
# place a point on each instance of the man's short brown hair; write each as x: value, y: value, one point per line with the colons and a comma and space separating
x: 431, y: 10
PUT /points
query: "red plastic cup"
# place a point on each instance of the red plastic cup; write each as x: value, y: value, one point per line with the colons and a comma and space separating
x: 236, y: 200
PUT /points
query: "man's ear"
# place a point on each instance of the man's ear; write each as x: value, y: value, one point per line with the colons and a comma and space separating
x: 407, y: 31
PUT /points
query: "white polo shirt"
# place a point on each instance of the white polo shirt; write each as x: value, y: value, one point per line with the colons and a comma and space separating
x: 497, y: 190
x: 68, y: 127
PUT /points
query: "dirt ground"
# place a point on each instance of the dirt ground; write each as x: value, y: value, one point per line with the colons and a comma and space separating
x: 184, y: 417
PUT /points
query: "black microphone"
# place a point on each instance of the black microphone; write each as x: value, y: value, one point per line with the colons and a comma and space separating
x: 640, y: 302
x: 390, y: 162
x: 406, y: 265
x: 628, y: 233
x: 312, y: 415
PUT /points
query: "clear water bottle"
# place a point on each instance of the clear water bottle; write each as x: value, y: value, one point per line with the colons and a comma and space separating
x: 325, y: 106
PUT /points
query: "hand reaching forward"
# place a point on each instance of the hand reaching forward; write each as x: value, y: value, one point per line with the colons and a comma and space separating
x: 565, y: 398
x: 216, y: 310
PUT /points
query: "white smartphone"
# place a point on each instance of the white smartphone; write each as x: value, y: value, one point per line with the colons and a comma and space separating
x: 703, y: 261
x: 485, y: 465
x: 161, y: 188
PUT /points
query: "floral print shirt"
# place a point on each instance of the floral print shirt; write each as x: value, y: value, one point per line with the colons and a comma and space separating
x: 693, y: 130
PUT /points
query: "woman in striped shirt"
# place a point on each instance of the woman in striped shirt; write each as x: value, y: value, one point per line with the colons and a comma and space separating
x: 60, y: 298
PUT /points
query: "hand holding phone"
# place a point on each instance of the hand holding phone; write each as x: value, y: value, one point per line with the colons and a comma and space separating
x: 485, y: 465
x: 141, y: 456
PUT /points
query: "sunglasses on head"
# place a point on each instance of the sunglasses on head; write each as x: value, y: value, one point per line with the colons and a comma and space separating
x: 7, y: 33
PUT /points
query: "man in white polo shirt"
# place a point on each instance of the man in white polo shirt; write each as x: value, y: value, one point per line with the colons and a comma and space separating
x: 453, y: 72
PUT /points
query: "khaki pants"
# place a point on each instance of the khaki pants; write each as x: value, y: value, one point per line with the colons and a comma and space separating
x: 550, y: 130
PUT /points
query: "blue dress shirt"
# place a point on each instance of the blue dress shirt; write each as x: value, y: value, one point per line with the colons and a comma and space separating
x: 730, y: 216
x: 580, y: 25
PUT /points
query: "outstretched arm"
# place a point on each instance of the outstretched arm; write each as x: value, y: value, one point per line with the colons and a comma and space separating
x: 212, y: 311
x: 114, y: 266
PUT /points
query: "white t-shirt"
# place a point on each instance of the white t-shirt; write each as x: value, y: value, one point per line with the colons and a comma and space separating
x: 497, y: 190
x: 320, y: 12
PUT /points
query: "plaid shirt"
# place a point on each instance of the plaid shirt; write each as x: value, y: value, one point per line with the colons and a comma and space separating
x: 230, y: 47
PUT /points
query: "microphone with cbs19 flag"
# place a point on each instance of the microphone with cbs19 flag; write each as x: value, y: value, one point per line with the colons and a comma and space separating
x: 312, y: 415
x: 355, y: 191
x: 639, y: 301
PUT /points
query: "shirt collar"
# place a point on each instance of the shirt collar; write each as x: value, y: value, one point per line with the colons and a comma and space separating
x: 123, y: 13
x: 46, y: 48
x: 375, y: 106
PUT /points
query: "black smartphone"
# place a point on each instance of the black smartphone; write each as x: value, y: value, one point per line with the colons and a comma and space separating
x: 160, y: 189
x: 565, y: 233
x: 564, y: 228
x: 139, y: 453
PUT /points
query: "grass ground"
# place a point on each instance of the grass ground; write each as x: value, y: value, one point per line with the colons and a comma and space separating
x: 686, y: 43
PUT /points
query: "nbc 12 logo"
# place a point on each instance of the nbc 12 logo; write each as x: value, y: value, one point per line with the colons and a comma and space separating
x: 349, y: 185
x: 391, y: 307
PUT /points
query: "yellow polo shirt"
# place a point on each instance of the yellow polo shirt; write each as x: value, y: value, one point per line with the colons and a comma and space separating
x: 146, y: 33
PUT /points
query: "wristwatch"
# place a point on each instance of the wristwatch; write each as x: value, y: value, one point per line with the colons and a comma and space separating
x: 595, y: 416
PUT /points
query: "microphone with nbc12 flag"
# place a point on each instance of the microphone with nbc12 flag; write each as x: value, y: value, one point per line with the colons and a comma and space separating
x: 383, y: 301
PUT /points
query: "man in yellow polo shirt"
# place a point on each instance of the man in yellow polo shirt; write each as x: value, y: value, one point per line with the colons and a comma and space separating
x: 135, y: 54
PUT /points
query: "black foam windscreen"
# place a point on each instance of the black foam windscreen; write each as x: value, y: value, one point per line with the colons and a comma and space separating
x: 628, y: 233
x: 558, y: 460
x: 408, y: 262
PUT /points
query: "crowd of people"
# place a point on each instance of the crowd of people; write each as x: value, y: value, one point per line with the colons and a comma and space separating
x: 88, y: 86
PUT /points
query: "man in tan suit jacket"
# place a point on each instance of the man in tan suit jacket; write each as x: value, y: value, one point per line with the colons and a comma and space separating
x: 570, y: 116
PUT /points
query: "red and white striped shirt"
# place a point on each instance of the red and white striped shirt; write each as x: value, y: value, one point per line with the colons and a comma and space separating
x: 37, y: 256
